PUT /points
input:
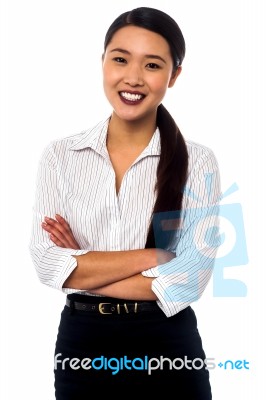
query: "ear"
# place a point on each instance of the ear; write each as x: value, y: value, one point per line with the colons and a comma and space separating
x: 174, y: 77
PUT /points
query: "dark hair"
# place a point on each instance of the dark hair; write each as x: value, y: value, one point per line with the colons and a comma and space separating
x: 173, y: 164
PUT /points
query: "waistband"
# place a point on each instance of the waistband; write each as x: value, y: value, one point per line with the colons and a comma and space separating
x: 107, y: 305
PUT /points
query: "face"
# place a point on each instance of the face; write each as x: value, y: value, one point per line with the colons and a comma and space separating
x: 137, y: 71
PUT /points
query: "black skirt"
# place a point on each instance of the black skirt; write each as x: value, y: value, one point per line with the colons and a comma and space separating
x: 95, y: 349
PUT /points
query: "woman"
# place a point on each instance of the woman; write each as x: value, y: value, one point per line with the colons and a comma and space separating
x: 125, y: 223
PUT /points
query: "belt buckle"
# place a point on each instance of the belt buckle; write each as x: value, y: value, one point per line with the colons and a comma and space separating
x: 101, y: 308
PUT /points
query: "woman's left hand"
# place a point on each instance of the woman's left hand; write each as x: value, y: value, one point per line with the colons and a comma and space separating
x: 60, y: 232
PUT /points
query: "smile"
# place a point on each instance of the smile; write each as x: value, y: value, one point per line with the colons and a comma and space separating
x: 131, y: 96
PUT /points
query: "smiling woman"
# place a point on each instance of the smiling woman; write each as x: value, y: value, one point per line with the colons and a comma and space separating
x: 102, y: 200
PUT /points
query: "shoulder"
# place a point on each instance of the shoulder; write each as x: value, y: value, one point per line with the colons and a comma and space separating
x: 198, y: 149
x: 59, y: 147
x: 200, y: 157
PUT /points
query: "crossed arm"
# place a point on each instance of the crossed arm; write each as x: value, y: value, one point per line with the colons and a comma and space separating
x: 108, y: 273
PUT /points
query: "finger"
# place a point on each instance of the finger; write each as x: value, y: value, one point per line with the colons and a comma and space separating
x: 63, y: 240
x: 66, y: 230
x: 56, y: 233
x: 56, y: 241
x: 60, y: 230
x: 63, y: 222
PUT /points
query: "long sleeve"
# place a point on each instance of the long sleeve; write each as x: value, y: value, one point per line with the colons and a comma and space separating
x: 182, y: 281
x: 53, y: 264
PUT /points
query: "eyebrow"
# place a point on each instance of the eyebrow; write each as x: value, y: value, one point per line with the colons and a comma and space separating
x: 154, y: 56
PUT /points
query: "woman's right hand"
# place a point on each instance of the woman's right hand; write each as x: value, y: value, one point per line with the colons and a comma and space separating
x: 60, y: 232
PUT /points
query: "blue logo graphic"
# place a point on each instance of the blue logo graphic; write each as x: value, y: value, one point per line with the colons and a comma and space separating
x: 222, y: 244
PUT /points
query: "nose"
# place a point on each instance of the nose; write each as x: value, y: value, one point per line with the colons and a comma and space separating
x: 133, y: 75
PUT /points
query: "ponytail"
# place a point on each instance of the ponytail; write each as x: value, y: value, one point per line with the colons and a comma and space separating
x: 171, y: 171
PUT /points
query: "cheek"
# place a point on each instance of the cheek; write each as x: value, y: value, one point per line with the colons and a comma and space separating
x: 110, y: 76
x: 106, y: 77
x: 159, y: 82
x: 107, y: 82
x: 159, y: 86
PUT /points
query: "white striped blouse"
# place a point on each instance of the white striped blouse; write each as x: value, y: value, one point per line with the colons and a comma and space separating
x: 76, y: 180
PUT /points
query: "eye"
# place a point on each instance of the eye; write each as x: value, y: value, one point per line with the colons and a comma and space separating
x: 119, y: 60
x: 153, y: 66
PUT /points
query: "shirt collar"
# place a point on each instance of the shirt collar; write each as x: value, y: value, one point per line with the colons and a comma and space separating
x: 95, y: 138
x: 154, y: 147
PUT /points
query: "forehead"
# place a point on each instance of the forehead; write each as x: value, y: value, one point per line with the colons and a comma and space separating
x: 136, y: 39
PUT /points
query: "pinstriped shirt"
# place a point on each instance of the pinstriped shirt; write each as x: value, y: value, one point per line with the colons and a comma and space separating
x: 76, y: 180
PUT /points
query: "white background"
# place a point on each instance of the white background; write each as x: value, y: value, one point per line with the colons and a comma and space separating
x: 51, y: 87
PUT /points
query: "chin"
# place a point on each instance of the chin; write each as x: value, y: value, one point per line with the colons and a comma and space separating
x: 132, y: 116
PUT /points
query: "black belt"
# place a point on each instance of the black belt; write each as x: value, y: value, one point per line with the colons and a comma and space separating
x: 114, y: 308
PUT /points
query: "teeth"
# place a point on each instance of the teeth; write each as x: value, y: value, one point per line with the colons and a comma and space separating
x: 131, y: 97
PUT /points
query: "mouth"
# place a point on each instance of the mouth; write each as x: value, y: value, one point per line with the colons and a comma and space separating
x: 131, y: 98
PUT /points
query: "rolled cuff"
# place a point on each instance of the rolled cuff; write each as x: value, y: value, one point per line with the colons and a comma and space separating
x: 68, y: 266
x: 54, y: 264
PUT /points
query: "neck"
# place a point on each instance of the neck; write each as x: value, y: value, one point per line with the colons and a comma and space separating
x: 133, y: 133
